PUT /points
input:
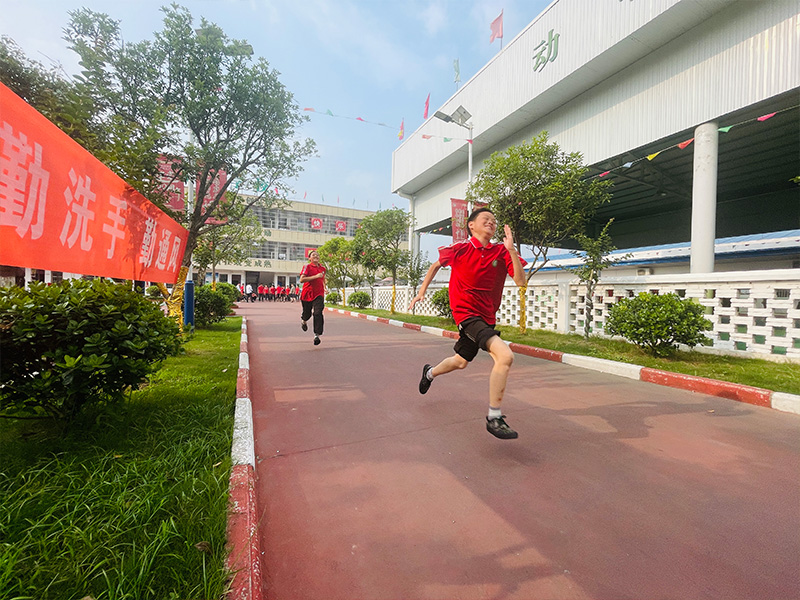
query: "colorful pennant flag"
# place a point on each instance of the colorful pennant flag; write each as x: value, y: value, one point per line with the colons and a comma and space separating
x: 458, y: 71
x: 497, y: 28
x: 765, y: 117
x: 402, y: 132
x: 683, y: 145
x: 427, y: 105
x: 652, y: 156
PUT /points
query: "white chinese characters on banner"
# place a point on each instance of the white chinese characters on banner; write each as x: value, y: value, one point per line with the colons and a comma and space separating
x: 148, y: 243
x: 23, y: 187
x: 115, y: 228
x: 78, y: 198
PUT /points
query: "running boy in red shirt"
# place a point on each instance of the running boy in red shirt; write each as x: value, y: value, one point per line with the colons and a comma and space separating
x: 313, y: 295
x: 479, y: 270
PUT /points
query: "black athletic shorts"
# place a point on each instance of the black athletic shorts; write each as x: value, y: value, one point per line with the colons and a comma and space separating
x: 474, y: 335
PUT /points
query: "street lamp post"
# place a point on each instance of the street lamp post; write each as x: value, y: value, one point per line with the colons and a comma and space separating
x: 460, y: 117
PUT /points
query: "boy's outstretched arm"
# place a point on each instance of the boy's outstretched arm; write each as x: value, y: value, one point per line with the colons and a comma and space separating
x: 519, y: 271
x: 434, y: 268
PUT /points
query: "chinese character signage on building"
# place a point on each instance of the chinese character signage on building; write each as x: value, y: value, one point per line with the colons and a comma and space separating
x: 316, y: 223
x: 460, y: 215
x: 550, y: 47
x: 61, y: 209
x: 341, y: 225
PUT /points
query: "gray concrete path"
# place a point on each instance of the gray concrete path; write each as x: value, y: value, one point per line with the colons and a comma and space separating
x: 616, y: 489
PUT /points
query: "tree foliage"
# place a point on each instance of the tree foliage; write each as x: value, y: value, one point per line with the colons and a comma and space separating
x: 594, y: 258
x: 196, y: 96
x: 379, y: 240
x: 230, y: 243
x: 540, y: 192
x: 337, y: 255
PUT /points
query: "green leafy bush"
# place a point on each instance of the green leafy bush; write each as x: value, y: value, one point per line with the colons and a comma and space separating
x: 76, y: 343
x: 359, y: 299
x: 658, y: 323
x: 154, y: 293
x: 441, y: 303
x: 333, y: 298
x: 211, y: 306
x: 229, y: 290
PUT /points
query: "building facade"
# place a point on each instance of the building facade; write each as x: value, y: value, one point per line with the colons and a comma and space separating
x: 291, y: 233
x: 689, y: 106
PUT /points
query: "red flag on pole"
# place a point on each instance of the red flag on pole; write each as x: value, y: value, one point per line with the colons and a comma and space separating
x: 427, y: 105
x: 497, y: 28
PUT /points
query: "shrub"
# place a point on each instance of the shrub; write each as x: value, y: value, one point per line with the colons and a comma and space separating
x: 441, y: 303
x: 658, y: 323
x: 333, y: 298
x: 154, y: 293
x: 230, y: 291
x: 77, y: 343
x: 210, y: 306
x: 359, y: 299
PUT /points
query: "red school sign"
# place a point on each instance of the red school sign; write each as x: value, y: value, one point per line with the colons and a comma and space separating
x: 61, y: 209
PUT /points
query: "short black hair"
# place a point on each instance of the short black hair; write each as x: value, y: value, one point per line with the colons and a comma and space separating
x: 474, y: 214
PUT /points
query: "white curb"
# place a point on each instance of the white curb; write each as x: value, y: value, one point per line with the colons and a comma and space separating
x: 603, y: 365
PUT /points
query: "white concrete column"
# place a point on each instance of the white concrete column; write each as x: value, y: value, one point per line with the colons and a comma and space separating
x: 48, y: 276
x: 704, y: 198
x: 28, y: 276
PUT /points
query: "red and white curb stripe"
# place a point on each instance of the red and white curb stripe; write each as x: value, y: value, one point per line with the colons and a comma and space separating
x: 244, y: 548
x: 734, y: 391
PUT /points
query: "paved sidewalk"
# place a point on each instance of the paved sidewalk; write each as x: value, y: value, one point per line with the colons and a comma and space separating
x: 616, y: 489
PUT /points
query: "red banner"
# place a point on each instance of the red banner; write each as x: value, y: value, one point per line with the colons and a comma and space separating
x: 316, y: 223
x: 61, y: 209
x: 460, y: 214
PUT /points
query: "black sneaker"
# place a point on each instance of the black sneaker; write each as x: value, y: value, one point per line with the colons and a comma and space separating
x: 303, y: 326
x: 425, y: 383
x: 498, y: 428
x: 316, y: 340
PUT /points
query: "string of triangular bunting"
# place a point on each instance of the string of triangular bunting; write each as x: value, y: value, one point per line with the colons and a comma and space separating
x: 686, y: 143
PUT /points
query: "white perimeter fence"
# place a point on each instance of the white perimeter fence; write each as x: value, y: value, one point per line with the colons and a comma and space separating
x: 754, y: 313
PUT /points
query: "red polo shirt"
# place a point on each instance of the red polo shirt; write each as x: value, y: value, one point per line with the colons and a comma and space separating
x: 312, y: 289
x: 477, y: 278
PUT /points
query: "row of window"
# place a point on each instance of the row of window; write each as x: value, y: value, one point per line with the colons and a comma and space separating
x: 289, y: 220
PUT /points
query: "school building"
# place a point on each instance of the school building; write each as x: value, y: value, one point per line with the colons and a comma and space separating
x: 291, y: 233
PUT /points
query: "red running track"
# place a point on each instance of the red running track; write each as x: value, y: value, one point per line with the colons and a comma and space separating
x: 616, y: 489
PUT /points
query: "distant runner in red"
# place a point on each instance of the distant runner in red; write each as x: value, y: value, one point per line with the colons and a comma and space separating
x: 479, y: 270
x: 313, y: 295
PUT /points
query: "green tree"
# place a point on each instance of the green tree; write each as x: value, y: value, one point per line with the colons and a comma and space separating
x: 198, y: 97
x: 56, y: 97
x: 595, y: 259
x: 228, y: 243
x: 380, y: 239
x: 541, y: 194
x: 337, y: 255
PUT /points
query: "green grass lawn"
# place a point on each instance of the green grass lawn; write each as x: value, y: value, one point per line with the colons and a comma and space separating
x: 131, y: 501
x: 778, y: 377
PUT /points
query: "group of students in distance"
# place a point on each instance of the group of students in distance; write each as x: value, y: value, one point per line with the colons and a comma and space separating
x: 478, y: 274
x: 269, y: 293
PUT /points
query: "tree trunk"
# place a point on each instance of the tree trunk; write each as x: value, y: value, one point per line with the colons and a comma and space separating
x: 523, y: 308
x: 589, y: 316
x: 175, y: 300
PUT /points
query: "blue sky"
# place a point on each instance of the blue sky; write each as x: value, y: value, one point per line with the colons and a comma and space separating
x: 374, y: 59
